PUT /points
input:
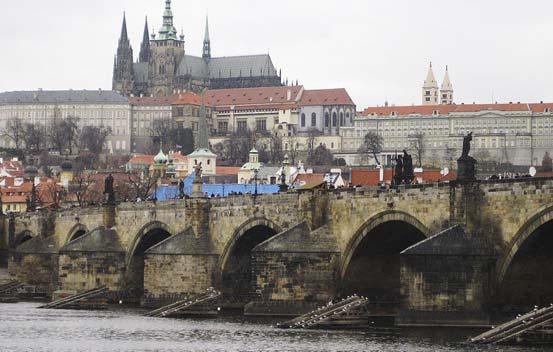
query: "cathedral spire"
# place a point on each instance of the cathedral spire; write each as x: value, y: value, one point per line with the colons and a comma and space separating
x: 203, y: 137
x: 124, y: 35
x: 207, y: 42
x: 145, y: 46
x: 168, y: 30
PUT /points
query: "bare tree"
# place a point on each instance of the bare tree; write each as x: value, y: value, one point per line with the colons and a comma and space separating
x: 321, y: 156
x: 161, y: 130
x: 449, y: 155
x: 82, y: 188
x: 292, y: 146
x: 15, y: 131
x: 372, y: 144
x: 63, y: 133
x: 34, y: 136
x: 50, y: 194
x: 312, y: 135
x: 92, y: 138
x: 142, y: 187
x: 276, y: 153
x: 417, y: 143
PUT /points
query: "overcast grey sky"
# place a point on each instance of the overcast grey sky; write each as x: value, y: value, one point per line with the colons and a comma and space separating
x: 375, y: 49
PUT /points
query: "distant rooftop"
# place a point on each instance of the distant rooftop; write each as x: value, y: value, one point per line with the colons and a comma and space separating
x: 62, y: 96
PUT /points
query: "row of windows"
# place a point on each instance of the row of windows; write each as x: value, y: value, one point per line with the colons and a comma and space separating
x: 348, y: 118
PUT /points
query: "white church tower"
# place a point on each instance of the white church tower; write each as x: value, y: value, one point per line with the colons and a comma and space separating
x: 446, y: 92
x: 430, y: 89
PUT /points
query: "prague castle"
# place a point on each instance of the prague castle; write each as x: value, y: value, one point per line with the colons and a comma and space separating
x: 163, y: 68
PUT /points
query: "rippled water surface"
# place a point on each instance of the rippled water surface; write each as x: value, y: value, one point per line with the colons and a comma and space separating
x: 24, y: 328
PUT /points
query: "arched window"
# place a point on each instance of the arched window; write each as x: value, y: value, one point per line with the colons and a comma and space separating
x: 327, y: 119
x: 313, y: 119
x: 334, y: 119
x: 348, y: 117
x: 208, y: 161
x: 341, y: 119
x: 302, y: 120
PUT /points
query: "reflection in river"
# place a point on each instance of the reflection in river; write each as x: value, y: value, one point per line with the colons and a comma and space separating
x: 24, y: 328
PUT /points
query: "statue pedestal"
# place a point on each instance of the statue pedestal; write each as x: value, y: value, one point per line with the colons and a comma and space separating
x: 197, y: 188
x: 466, y: 169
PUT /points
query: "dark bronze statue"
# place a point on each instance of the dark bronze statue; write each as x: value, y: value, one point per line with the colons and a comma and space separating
x: 181, y: 189
x: 466, y: 165
x: 466, y: 145
x: 408, y: 172
x: 108, y: 189
x: 398, y: 175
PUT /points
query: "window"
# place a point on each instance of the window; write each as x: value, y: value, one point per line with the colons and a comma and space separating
x: 327, y: 119
x: 349, y: 118
x: 427, y: 92
x: 180, y: 111
x: 341, y: 119
x: 242, y: 126
x: 208, y: 161
x: 302, y: 120
x: 261, y: 125
x: 222, y: 126
x: 334, y: 119
x: 427, y: 99
x: 313, y: 119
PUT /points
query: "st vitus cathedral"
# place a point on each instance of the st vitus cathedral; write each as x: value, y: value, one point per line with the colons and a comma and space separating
x: 163, y: 68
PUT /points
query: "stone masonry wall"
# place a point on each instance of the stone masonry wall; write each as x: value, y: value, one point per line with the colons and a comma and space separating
x: 40, y: 270
x: 295, y: 276
x: 177, y: 275
x: 81, y: 271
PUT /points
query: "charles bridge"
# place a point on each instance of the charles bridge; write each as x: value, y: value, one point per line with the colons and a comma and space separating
x: 452, y: 253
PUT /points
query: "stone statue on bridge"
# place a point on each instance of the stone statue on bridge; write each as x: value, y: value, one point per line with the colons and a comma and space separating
x: 466, y: 165
x: 408, y: 172
x: 398, y: 174
x: 108, y: 189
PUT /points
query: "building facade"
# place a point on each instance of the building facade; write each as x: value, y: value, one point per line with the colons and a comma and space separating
x: 92, y: 108
x: 145, y: 111
x: 164, y: 68
x: 516, y: 133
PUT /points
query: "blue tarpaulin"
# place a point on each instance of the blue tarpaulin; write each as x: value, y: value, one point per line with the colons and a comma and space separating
x: 167, y: 192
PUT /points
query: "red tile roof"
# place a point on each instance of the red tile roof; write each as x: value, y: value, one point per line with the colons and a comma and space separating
x: 142, y: 160
x: 361, y: 177
x: 227, y: 170
x: 309, y: 178
x: 454, y: 108
x: 253, y: 96
x: 189, y: 98
x: 337, y: 96
x: 408, y: 110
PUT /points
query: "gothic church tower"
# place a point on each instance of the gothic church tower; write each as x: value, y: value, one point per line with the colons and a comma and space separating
x: 167, y: 51
x: 446, y: 91
x: 123, y: 64
x: 430, y: 89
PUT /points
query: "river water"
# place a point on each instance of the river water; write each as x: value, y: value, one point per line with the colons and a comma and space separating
x: 25, y: 328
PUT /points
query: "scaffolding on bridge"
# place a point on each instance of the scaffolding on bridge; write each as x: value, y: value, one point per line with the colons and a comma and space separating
x: 75, y: 300
x: 182, y: 305
x: 344, y: 310
x: 522, y: 324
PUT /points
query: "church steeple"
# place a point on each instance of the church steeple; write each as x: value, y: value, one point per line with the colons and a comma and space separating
x: 203, y: 133
x: 124, y: 36
x: 446, y: 91
x: 430, y: 89
x: 207, y: 42
x: 168, y: 30
x: 123, y: 66
x: 145, y: 46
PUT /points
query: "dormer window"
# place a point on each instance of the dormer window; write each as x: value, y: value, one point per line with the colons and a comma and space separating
x: 393, y: 114
x: 435, y: 112
x: 547, y: 110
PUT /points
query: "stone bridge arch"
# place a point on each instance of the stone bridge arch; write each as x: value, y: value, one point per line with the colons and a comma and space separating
x: 148, y: 236
x: 373, y: 222
x: 235, y: 260
x: 534, y: 222
x: 371, y: 262
x: 524, y: 270
x: 76, y: 231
